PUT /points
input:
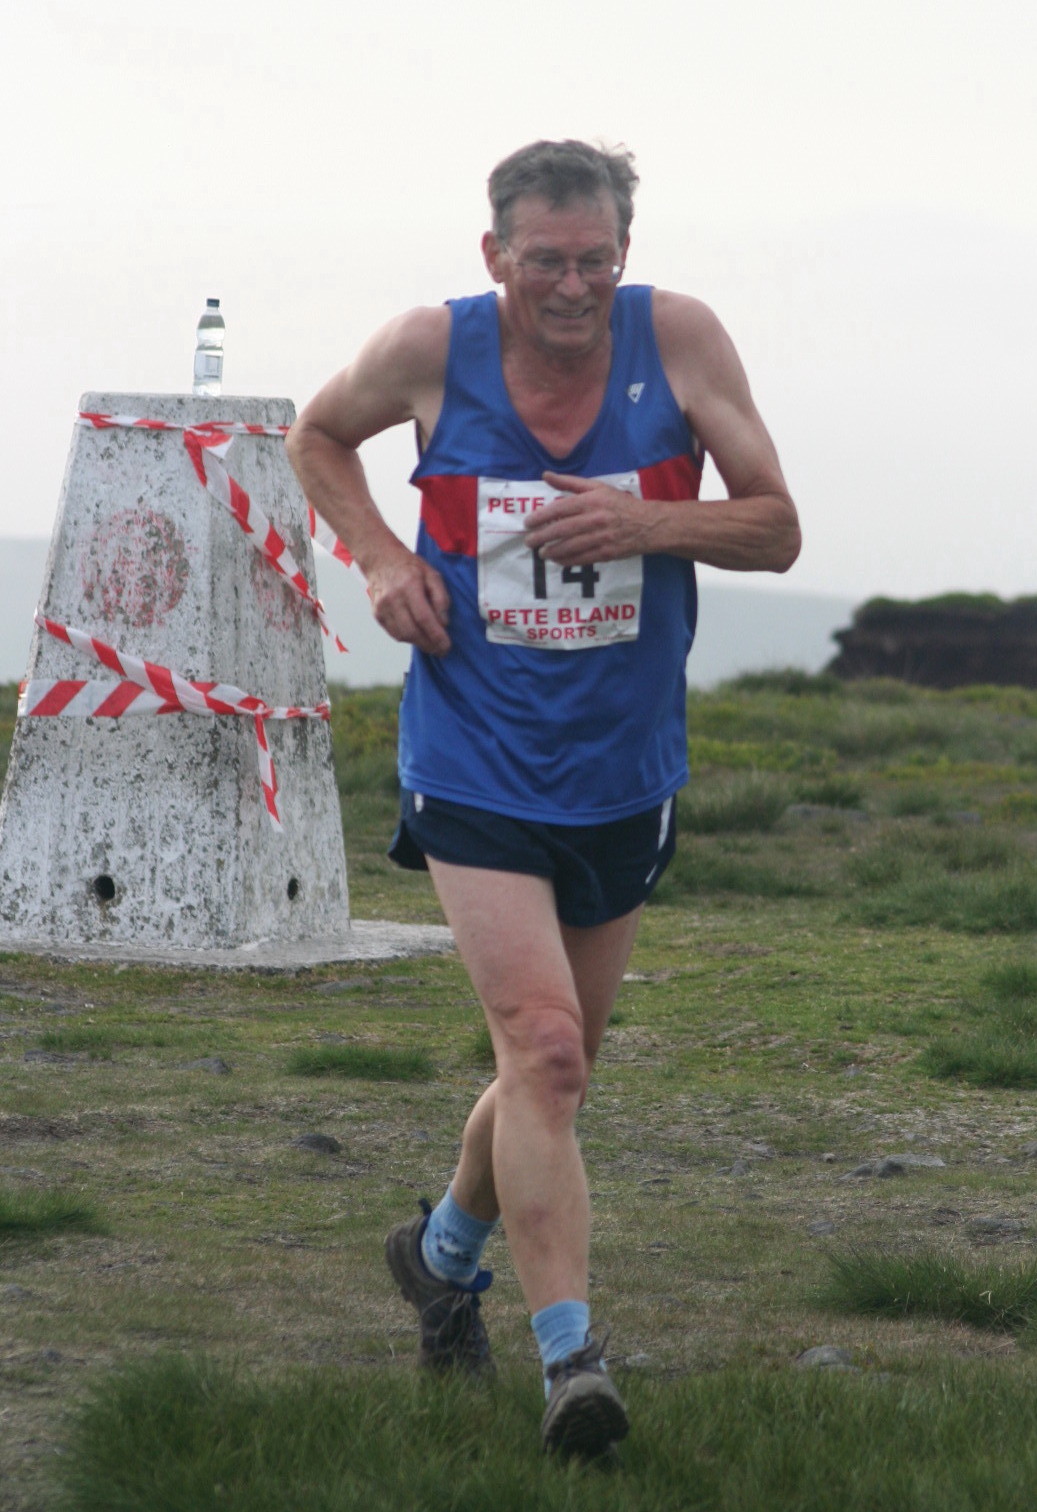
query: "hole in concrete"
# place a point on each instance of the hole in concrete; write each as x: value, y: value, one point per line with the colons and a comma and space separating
x: 293, y: 889
x: 104, y: 888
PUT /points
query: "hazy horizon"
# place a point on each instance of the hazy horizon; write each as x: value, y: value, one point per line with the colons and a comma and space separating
x: 743, y: 627
x: 850, y: 187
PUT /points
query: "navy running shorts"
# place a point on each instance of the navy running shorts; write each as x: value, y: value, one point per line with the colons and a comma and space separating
x: 599, y: 871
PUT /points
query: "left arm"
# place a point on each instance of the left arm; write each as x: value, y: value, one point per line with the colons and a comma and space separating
x: 755, y: 529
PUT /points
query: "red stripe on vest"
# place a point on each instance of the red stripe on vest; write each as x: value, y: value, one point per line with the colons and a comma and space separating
x: 676, y: 478
x: 448, y: 511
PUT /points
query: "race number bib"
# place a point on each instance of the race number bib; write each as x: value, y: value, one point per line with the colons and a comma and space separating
x: 526, y: 601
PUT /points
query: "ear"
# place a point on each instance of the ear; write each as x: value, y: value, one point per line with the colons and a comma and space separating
x: 492, y: 251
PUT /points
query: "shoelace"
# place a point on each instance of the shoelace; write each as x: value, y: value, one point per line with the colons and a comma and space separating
x: 462, y: 1326
x: 590, y: 1356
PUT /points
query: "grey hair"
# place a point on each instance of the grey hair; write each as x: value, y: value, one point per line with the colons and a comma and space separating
x: 561, y: 172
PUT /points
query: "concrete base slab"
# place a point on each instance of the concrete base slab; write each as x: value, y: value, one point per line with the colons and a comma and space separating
x: 362, y: 940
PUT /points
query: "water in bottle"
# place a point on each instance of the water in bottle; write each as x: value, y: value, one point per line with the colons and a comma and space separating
x: 208, y: 353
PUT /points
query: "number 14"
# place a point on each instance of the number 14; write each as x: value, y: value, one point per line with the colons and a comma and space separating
x: 586, y: 577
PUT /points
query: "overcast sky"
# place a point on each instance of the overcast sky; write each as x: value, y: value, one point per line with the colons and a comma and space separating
x: 851, y: 184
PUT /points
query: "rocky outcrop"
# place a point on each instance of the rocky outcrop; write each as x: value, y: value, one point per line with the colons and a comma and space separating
x: 945, y: 642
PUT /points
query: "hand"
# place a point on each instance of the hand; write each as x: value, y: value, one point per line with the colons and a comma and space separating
x: 410, y: 601
x: 590, y: 522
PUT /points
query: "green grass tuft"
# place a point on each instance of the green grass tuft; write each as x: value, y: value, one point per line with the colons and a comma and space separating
x: 744, y: 803
x: 985, y: 1057
x: 696, y: 871
x: 100, y: 1043
x: 362, y: 1062
x: 479, y: 1047
x: 180, y: 1435
x: 899, y: 890
x: 836, y: 789
x: 24, y: 1214
x: 792, y: 681
x: 917, y: 799
x: 1013, y: 979
x: 983, y: 1294
x: 368, y: 772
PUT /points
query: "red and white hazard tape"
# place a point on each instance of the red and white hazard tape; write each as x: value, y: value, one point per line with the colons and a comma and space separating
x: 322, y: 533
x: 207, y: 445
x: 146, y: 688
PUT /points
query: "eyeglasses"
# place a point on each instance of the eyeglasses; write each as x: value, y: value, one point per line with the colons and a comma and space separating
x: 551, y: 267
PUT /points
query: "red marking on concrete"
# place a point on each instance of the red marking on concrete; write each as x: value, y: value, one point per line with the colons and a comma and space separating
x: 282, y: 610
x: 134, y: 568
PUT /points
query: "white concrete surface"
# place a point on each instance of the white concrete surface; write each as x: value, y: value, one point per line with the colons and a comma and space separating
x: 165, y: 813
x: 362, y: 940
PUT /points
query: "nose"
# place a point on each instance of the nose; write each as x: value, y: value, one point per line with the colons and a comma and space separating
x: 572, y: 277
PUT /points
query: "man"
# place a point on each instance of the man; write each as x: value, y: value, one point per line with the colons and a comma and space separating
x: 551, y: 605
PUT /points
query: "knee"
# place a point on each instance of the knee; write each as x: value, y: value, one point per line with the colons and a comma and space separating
x: 543, y: 1047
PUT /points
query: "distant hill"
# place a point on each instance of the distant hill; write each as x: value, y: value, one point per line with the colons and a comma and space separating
x: 953, y: 641
x: 759, y: 629
x: 741, y: 628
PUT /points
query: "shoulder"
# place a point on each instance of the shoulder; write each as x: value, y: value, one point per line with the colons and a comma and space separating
x: 686, y: 327
x: 710, y: 385
x: 404, y: 361
x: 396, y: 376
x: 698, y: 355
x: 412, y: 344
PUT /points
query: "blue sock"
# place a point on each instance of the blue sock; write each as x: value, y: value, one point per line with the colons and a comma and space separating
x: 453, y: 1241
x: 560, y: 1329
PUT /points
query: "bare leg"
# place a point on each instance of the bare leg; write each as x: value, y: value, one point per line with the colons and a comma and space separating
x: 547, y: 991
x: 473, y: 1185
x: 597, y: 958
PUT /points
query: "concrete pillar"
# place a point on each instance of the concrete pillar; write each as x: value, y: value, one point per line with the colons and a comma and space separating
x: 151, y: 830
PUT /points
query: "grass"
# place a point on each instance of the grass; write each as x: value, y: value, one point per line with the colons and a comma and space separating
x: 704, y: 870
x: 982, y: 1294
x: 851, y: 898
x: 33, y: 1214
x: 987, y: 1057
x: 996, y: 1045
x: 188, y: 1436
x: 836, y: 790
x: 480, y: 1047
x: 958, y: 889
x: 101, y: 1042
x: 1012, y: 981
x: 362, y: 1062
x: 743, y: 803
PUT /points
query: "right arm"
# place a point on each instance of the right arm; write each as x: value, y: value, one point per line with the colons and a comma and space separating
x: 397, y: 376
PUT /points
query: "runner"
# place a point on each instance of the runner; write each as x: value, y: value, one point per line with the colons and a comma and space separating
x: 562, y: 425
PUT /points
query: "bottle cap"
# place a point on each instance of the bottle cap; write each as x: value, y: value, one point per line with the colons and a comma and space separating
x: 213, y: 304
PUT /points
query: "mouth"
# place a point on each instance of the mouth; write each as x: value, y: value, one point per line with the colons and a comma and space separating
x: 570, y: 316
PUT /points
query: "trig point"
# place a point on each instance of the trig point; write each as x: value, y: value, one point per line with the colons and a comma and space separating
x: 151, y: 830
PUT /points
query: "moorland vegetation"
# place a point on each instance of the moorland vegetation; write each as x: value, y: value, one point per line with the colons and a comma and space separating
x: 812, y: 1128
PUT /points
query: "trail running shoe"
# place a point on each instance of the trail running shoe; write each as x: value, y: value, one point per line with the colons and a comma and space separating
x: 585, y: 1415
x: 453, y: 1335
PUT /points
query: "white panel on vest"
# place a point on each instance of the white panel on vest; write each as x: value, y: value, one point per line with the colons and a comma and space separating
x: 527, y: 601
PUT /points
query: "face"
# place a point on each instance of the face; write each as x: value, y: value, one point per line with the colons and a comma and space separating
x: 567, y: 316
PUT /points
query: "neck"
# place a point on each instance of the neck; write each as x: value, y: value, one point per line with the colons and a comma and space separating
x: 557, y: 395
x: 548, y: 368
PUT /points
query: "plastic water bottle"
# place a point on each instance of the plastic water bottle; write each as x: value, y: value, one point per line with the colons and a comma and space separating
x: 208, y: 353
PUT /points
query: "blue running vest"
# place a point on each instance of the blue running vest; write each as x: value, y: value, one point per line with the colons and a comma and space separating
x: 562, y: 698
